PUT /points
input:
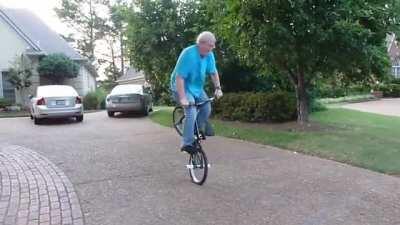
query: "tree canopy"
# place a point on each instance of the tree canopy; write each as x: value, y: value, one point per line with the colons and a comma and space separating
x: 20, y: 73
x: 309, y: 39
x: 57, y: 67
x: 157, y: 32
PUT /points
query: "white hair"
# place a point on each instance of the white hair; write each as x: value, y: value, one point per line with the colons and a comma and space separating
x: 206, y: 37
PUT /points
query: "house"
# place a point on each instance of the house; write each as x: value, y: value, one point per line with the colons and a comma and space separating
x: 132, y: 76
x: 22, y: 34
x: 394, y: 54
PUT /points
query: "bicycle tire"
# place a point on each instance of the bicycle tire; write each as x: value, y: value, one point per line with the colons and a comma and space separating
x: 193, y: 176
x: 178, y: 117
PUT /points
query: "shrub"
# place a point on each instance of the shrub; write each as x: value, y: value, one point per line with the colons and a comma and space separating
x: 4, y: 103
x: 254, y: 107
x: 395, y: 81
x: 90, y: 101
x: 327, y: 91
x: 103, y: 104
x: 95, y: 100
x: 57, y: 67
x: 390, y: 90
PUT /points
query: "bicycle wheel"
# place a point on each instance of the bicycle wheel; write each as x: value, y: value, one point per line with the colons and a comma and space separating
x: 178, y: 118
x: 198, y: 167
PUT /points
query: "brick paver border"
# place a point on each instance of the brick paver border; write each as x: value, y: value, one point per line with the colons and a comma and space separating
x: 34, y: 191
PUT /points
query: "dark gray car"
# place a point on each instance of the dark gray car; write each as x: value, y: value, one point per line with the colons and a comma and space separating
x: 129, y: 98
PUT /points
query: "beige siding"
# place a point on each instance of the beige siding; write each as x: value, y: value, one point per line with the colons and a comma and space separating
x: 11, y: 45
x: 84, y: 83
x: 76, y: 83
x: 89, y: 82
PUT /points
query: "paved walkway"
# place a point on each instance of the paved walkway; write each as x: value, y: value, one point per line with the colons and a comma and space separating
x: 128, y: 171
x: 35, y: 191
x: 387, y: 106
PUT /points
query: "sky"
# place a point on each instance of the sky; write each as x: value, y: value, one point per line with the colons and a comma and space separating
x: 44, y: 9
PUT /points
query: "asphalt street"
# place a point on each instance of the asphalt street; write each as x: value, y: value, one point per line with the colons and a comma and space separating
x: 128, y: 171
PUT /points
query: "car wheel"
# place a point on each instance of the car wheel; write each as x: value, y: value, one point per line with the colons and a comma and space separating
x: 37, y: 121
x: 110, y: 114
x: 79, y: 118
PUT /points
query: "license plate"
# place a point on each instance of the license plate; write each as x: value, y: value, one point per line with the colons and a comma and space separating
x: 127, y: 100
x: 60, y: 102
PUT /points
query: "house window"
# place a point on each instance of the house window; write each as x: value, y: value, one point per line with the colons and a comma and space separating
x: 8, y: 88
x: 396, y: 71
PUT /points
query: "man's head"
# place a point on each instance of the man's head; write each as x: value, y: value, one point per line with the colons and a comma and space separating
x: 206, y: 42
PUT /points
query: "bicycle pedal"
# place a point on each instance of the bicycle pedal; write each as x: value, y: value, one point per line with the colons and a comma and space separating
x: 192, y: 166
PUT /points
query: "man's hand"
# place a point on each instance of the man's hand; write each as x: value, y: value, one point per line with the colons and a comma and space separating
x: 218, y: 93
x: 184, y: 102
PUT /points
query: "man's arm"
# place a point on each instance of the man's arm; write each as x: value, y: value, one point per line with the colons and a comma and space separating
x: 215, y: 80
x: 217, y: 85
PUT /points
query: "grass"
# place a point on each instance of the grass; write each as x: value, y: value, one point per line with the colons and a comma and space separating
x: 14, y: 114
x: 351, y: 98
x: 23, y: 113
x: 362, y: 139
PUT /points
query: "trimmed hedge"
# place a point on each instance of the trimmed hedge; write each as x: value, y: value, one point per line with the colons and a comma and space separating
x: 94, y: 100
x: 4, y: 103
x: 256, y: 107
x: 90, y: 101
x: 390, y: 90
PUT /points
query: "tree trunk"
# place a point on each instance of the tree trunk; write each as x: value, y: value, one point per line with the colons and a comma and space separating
x: 114, y: 66
x: 91, y: 27
x: 302, y: 100
x: 121, y: 40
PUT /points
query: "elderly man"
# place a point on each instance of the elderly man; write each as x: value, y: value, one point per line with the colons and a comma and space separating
x: 194, y: 64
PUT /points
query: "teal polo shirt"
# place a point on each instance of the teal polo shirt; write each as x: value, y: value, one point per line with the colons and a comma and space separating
x: 193, y: 69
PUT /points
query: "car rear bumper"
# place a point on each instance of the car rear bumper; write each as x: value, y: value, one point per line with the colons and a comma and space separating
x: 44, y: 112
x: 124, y: 107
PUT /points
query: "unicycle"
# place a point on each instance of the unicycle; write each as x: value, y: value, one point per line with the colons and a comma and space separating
x: 198, y: 164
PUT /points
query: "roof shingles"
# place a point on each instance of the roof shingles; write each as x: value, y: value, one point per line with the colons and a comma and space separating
x: 39, y: 33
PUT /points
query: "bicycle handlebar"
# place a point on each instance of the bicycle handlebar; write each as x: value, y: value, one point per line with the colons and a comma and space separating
x: 201, y: 103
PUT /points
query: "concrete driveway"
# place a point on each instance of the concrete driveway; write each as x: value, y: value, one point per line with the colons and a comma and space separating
x: 387, y: 106
x: 128, y: 171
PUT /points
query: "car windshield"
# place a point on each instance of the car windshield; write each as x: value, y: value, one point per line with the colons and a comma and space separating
x: 127, y: 89
x: 56, y: 91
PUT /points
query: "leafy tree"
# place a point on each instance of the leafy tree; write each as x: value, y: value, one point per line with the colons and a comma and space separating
x: 98, y: 22
x: 114, y: 58
x: 118, y: 12
x: 157, y: 32
x: 309, y: 39
x: 57, y: 67
x: 106, y: 85
x: 20, y: 75
x: 84, y: 17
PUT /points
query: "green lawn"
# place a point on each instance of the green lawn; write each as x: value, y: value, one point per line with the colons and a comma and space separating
x: 362, y: 139
x: 26, y: 113
x: 14, y: 114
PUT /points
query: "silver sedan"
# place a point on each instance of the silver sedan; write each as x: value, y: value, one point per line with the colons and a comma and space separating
x: 56, y: 101
x: 129, y: 98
